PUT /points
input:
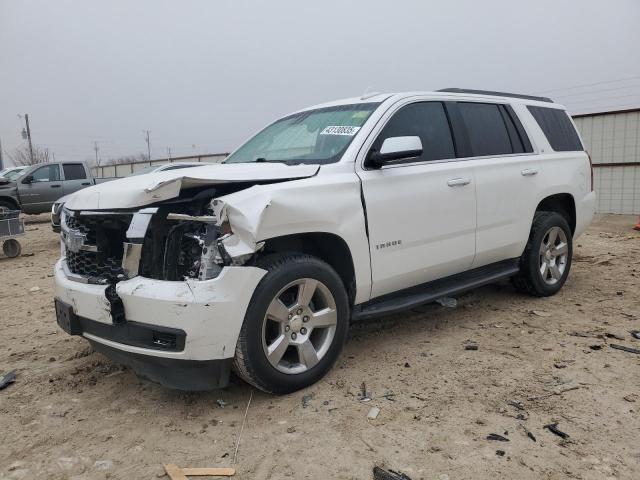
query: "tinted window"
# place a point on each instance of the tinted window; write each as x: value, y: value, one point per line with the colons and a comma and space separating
x: 50, y: 173
x: 486, y: 128
x: 74, y: 171
x: 426, y: 120
x: 557, y: 128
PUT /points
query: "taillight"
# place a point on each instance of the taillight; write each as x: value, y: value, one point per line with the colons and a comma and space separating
x: 590, y: 168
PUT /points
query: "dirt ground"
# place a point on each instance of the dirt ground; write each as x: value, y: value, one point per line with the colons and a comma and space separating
x: 74, y: 414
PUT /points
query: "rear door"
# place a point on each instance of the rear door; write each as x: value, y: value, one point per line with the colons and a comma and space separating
x: 44, y: 189
x: 508, y: 179
x: 421, y: 214
x: 75, y: 177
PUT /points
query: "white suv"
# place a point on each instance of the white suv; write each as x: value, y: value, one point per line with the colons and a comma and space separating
x: 352, y: 209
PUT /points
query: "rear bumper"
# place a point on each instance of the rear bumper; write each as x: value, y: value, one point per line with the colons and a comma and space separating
x: 585, y: 211
x: 209, y: 313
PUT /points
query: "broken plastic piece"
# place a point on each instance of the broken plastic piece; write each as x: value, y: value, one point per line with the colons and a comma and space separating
x: 382, y: 474
x: 7, y: 379
x: 496, y: 437
x: 553, y: 428
x: 625, y: 349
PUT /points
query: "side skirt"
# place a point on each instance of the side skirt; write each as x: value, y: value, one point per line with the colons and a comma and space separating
x: 428, y: 292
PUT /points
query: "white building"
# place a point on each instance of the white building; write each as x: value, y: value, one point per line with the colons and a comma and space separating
x: 613, y: 140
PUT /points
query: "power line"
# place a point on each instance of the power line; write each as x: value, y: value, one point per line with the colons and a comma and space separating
x: 588, y: 84
x: 601, y: 99
x: 597, y: 91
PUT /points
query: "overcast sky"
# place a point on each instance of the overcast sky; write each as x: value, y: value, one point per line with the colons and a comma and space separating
x: 204, y: 75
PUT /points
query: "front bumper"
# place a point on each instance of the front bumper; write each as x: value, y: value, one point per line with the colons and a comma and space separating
x: 207, y: 316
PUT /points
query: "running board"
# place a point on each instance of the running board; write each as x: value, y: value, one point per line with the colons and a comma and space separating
x: 431, y: 291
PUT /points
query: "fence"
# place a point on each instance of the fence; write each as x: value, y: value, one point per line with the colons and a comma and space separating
x: 125, y: 169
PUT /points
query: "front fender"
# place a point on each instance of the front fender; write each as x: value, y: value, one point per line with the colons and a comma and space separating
x: 325, y: 203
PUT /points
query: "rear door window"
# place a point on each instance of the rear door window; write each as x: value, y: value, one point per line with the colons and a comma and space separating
x: 427, y: 120
x: 74, y: 171
x: 558, y: 129
x: 486, y: 129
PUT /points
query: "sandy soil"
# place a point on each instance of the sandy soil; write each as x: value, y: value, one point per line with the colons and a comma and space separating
x: 74, y: 414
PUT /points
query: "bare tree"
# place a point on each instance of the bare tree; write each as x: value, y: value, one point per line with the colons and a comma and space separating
x: 21, y: 156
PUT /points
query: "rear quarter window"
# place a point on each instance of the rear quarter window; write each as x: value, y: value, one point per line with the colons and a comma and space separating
x: 558, y: 129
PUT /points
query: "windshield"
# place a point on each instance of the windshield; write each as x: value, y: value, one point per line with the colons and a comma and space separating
x: 314, y: 136
x: 13, y: 174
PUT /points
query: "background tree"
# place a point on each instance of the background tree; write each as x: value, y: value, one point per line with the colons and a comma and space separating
x: 21, y: 156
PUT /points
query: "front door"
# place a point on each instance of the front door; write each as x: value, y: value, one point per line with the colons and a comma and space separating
x: 421, y: 214
x: 45, y: 188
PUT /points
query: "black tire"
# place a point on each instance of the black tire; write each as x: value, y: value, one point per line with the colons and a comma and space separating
x: 6, y: 205
x: 251, y: 363
x: 530, y: 279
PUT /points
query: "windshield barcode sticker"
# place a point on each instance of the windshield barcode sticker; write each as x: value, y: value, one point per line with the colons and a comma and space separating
x: 340, y: 130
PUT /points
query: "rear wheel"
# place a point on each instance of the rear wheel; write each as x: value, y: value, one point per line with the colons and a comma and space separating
x: 545, y: 263
x: 295, y: 325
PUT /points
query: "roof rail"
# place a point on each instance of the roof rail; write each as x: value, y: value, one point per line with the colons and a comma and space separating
x: 498, y: 94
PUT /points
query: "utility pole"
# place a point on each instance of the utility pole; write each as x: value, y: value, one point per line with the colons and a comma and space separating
x: 148, y: 145
x: 26, y: 119
x: 97, y: 149
x: 1, y: 159
x: 169, y: 154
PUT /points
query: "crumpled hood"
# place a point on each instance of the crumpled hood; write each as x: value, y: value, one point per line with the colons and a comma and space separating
x: 138, y: 191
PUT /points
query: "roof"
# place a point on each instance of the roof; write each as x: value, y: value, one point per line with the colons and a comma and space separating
x: 447, y: 93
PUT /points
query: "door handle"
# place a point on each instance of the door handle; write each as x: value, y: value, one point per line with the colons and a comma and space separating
x: 458, y: 182
x: 56, y: 186
x: 86, y: 183
x: 528, y: 172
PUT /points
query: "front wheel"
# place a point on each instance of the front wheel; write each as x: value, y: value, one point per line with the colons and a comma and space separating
x: 295, y: 325
x: 545, y: 263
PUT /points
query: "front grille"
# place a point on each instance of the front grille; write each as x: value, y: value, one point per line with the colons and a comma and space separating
x: 89, y: 264
x: 100, y: 257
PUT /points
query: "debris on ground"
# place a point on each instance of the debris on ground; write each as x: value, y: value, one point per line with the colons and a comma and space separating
x: 470, y: 345
x: 306, y: 400
x: 528, y: 432
x: 595, y: 347
x: 500, y: 453
x: 447, y: 302
x: 516, y: 404
x: 553, y: 428
x: 364, y: 395
x: 624, y: 348
x: 291, y: 429
x: 497, y: 438
x: 575, y: 333
x: 560, y: 365
x: 221, y: 403
x: 373, y: 413
x: 539, y: 313
x: 34, y: 289
x: 631, y: 398
x: 382, y: 474
x: 635, y: 334
x: 177, y: 473
x: 614, y: 335
x: 7, y: 379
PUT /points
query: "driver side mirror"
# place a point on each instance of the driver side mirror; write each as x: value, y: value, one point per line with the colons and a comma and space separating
x: 394, y: 149
x: 28, y: 179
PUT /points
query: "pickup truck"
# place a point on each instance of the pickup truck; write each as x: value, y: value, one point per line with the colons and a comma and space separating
x: 348, y: 210
x: 36, y: 190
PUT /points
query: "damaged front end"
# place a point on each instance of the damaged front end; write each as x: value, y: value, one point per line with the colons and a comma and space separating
x: 176, y: 241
